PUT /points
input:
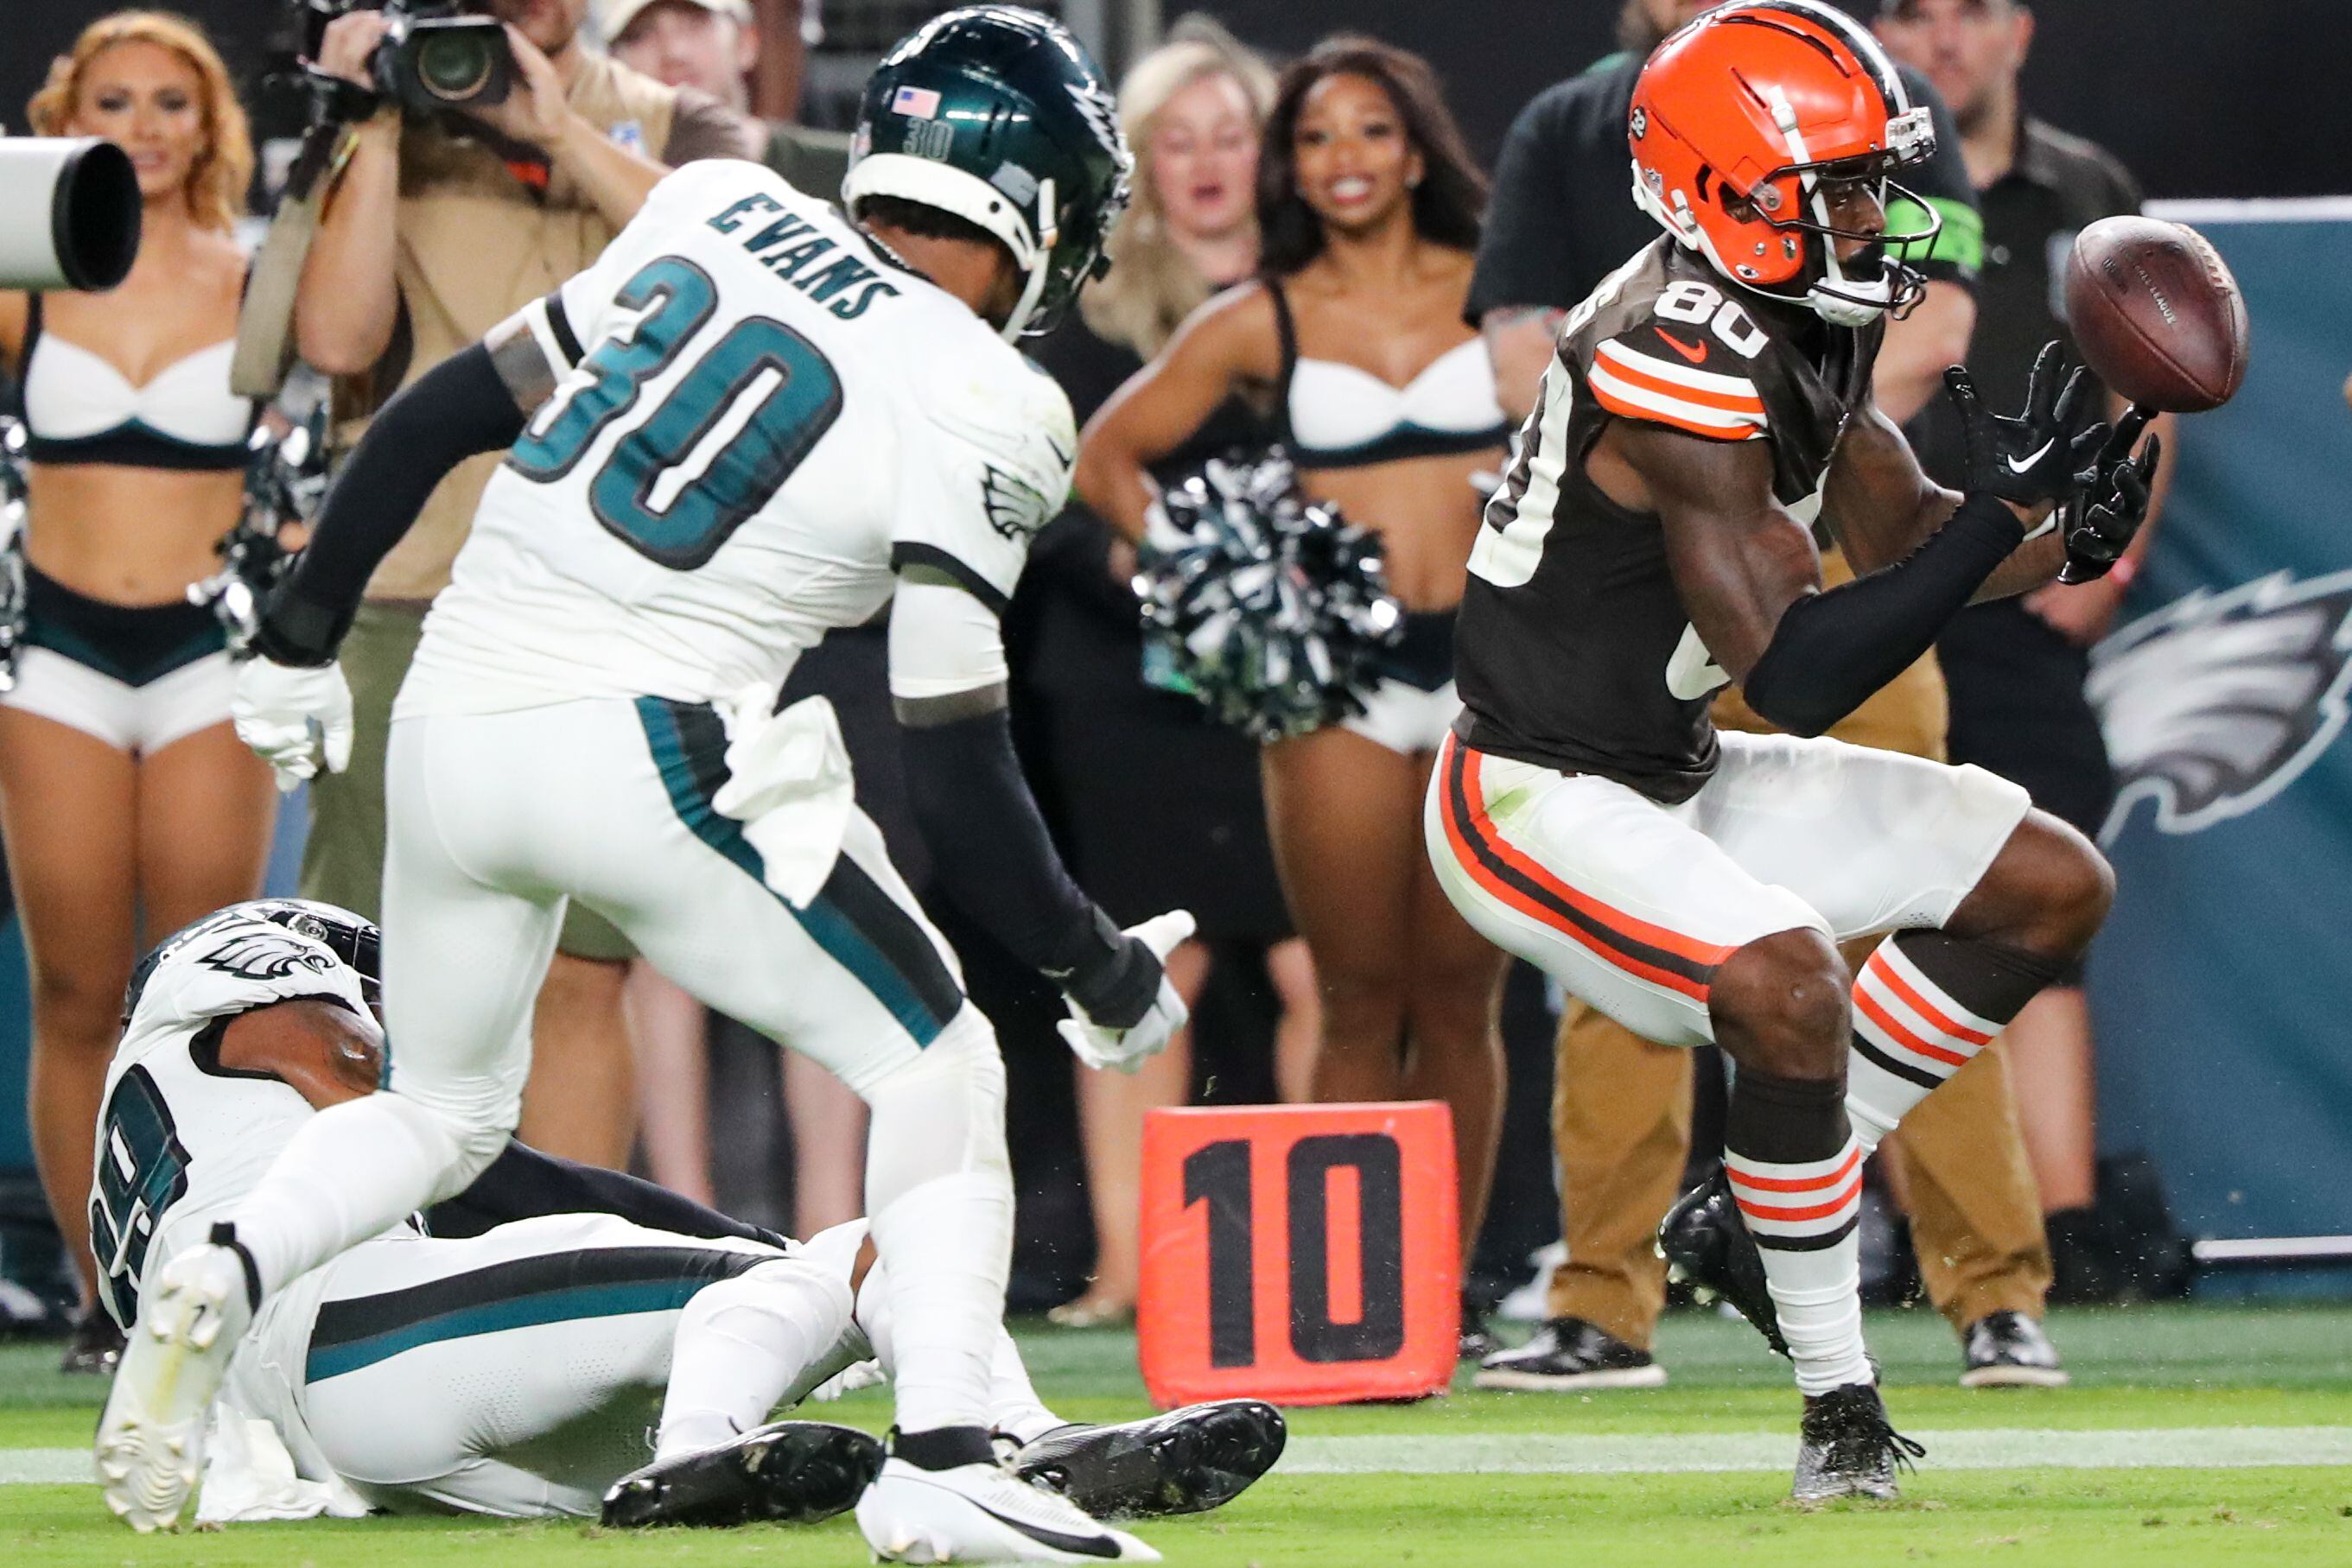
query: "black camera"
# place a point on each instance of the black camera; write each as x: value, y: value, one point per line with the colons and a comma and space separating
x: 432, y: 59
x: 434, y: 55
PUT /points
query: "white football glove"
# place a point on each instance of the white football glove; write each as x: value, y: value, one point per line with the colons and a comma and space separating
x: 294, y: 716
x: 858, y: 1375
x: 1126, y: 1049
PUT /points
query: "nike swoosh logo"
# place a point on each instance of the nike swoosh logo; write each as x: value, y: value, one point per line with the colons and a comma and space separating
x: 1695, y: 355
x: 1101, y: 1545
x: 1083, y: 1545
x: 1066, y: 458
x: 2024, y: 465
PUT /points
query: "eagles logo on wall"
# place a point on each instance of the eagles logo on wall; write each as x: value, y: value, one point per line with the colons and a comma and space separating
x: 2218, y: 702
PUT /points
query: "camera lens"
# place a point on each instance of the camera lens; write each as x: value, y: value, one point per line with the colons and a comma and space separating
x: 455, y: 66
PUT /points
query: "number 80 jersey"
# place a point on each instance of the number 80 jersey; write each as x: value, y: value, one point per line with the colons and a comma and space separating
x: 1574, y: 651
x: 746, y: 417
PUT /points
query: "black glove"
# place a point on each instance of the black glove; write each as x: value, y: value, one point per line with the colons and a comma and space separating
x: 2042, y: 456
x: 2102, y: 521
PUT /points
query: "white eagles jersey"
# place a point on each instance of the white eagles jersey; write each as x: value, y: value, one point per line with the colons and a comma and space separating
x: 181, y: 1139
x: 759, y: 418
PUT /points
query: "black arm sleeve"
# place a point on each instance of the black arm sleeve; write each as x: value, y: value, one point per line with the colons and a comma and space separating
x: 456, y: 410
x: 991, y: 855
x: 523, y: 1184
x: 1831, y: 651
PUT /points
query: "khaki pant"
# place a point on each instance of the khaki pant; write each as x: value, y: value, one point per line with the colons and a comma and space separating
x: 1622, y: 1126
x: 342, y: 858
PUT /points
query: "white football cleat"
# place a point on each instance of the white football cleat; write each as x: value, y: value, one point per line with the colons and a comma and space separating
x: 151, y: 1441
x: 981, y: 1513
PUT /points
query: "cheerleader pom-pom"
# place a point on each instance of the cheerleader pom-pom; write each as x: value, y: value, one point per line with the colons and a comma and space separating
x: 1270, y: 611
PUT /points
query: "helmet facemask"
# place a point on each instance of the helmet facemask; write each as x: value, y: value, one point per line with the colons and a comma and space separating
x: 1758, y: 128
x: 1800, y: 199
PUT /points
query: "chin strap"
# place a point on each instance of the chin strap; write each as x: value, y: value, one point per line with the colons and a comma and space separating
x: 1040, y: 268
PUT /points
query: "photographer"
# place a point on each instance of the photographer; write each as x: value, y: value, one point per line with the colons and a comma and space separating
x: 436, y: 230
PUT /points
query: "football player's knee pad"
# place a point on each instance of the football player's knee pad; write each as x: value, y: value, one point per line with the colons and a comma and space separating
x: 940, y: 1114
x: 466, y: 1135
x: 781, y: 1326
x: 836, y: 1250
x: 832, y: 1255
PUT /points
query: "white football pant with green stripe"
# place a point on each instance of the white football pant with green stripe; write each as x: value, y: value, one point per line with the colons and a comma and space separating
x: 497, y: 821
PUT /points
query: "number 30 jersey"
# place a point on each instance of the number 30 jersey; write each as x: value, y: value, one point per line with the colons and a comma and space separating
x: 181, y: 1139
x: 1574, y: 651
x: 757, y: 418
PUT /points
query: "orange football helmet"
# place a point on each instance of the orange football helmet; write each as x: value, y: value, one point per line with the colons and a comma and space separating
x: 1755, y: 120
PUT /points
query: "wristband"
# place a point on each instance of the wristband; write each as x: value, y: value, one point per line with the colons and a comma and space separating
x: 1116, y: 979
x: 300, y: 632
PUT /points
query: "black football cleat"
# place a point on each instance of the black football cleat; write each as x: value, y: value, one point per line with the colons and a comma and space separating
x: 1476, y: 1342
x: 1570, y: 1355
x: 97, y: 1344
x: 1706, y: 1244
x: 1846, y: 1448
x: 2008, y: 1350
x: 1187, y: 1461
x: 793, y: 1472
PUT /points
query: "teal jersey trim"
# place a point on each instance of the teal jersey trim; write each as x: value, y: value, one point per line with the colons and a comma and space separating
x: 853, y: 918
x: 358, y: 1332
x: 493, y: 1317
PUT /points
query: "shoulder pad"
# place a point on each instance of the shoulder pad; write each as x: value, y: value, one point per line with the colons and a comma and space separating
x: 1017, y: 420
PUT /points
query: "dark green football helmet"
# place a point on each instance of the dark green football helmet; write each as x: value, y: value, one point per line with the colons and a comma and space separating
x: 998, y: 115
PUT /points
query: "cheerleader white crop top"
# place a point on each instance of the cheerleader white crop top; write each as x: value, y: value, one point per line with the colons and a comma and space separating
x: 81, y: 408
x: 1339, y: 415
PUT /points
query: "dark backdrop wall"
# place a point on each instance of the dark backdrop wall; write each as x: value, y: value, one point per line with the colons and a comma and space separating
x: 34, y: 32
x: 2201, y: 97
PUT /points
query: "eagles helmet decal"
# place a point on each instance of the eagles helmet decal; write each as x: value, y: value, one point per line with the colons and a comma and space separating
x: 2215, y: 703
x: 998, y: 115
x: 258, y: 955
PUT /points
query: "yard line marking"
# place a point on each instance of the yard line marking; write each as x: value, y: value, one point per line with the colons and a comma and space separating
x: 1974, y: 1448
x: 46, y: 1467
x: 1978, y: 1448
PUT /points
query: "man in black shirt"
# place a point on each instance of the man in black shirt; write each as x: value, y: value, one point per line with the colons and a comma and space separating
x: 1563, y: 217
x: 2016, y: 668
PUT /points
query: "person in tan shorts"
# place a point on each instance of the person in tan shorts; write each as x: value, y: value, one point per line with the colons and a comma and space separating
x: 1622, y: 1133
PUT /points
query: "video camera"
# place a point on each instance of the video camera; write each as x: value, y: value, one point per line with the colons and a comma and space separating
x: 437, y: 55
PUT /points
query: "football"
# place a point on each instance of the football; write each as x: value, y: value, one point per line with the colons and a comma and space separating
x: 2156, y: 314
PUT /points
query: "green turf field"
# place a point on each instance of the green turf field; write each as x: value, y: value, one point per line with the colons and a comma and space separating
x: 2192, y: 1436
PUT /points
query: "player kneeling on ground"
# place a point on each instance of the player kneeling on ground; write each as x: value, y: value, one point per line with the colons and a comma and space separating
x: 754, y: 419
x: 508, y: 1355
x: 1708, y: 404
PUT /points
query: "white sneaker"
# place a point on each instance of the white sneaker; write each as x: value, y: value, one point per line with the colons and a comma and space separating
x: 151, y: 1441
x: 980, y: 1513
x: 1531, y: 1301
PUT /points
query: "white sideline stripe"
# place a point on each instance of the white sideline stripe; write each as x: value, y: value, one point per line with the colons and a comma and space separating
x: 2254, y: 210
x: 1980, y: 1448
x: 46, y: 1467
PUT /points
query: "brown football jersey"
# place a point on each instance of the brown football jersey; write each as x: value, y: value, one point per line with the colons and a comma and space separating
x: 1575, y: 651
